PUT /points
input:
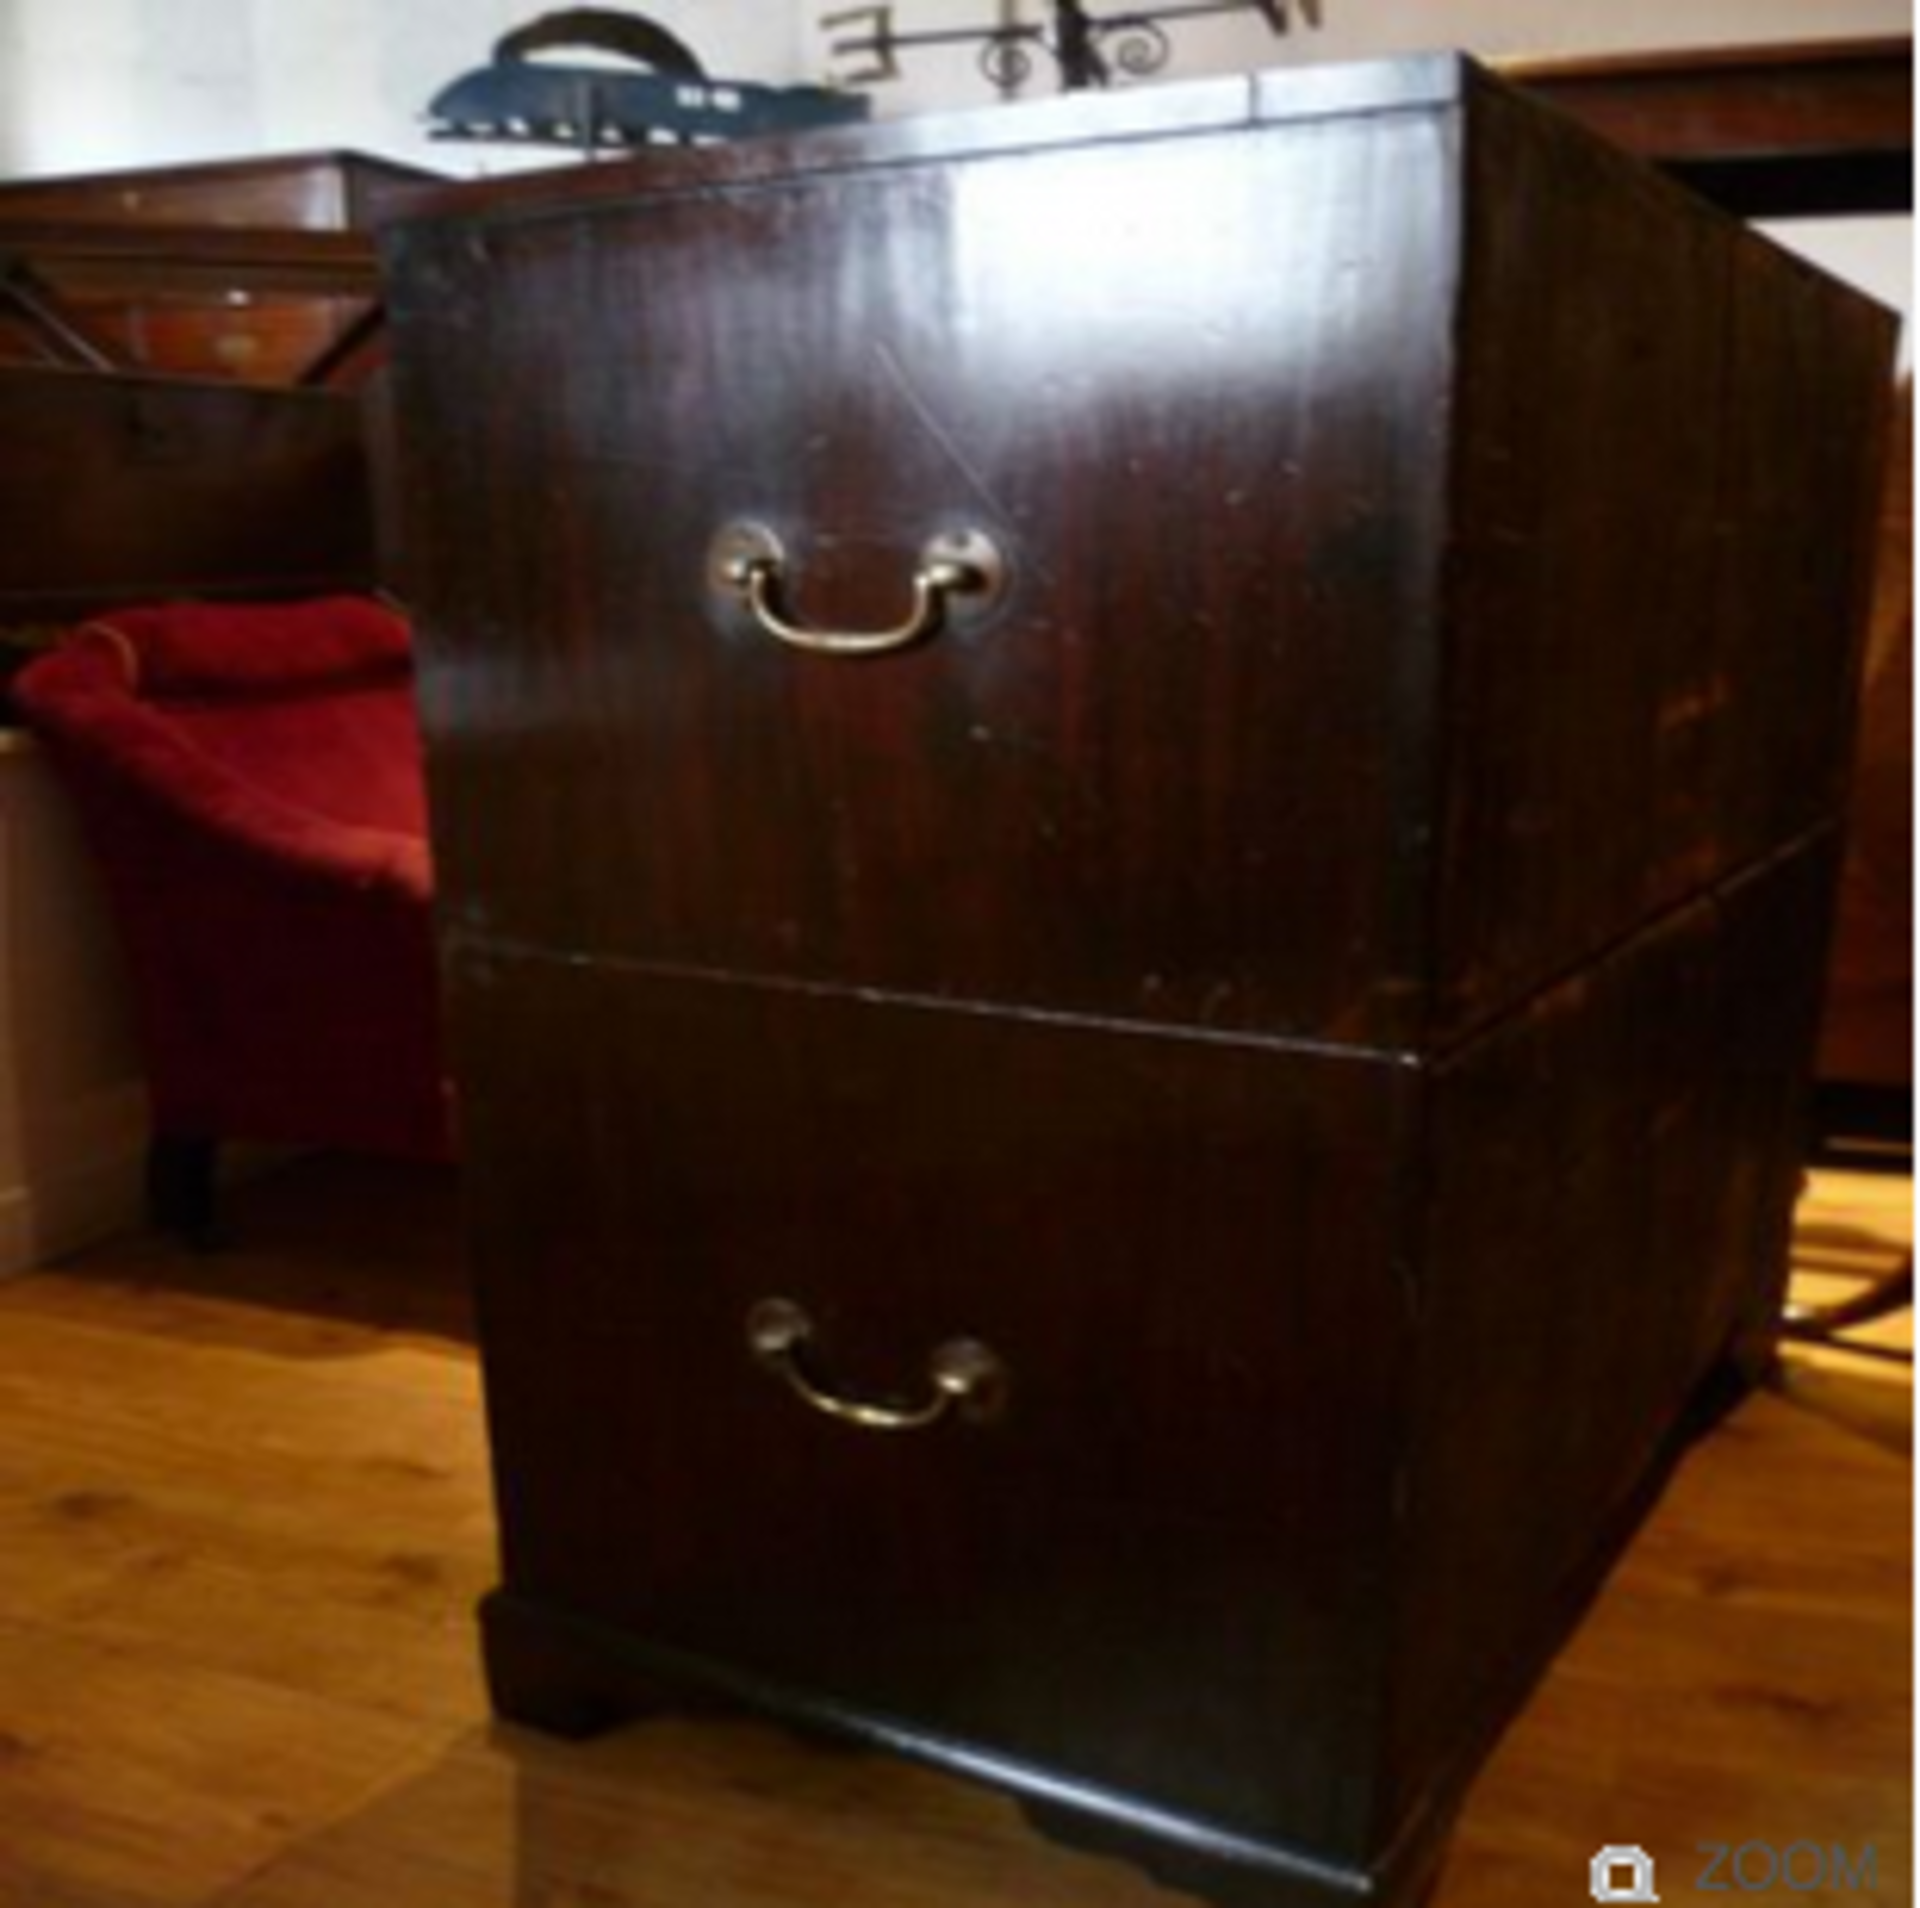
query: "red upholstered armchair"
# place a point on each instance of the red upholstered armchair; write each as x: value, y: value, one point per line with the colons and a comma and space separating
x: 249, y: 779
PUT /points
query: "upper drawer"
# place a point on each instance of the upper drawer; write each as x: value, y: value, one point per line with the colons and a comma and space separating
x: 1170, y: 774
x: 1379, y: 635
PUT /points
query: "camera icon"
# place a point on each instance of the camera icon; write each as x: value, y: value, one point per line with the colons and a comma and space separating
x: 1623, y: 1874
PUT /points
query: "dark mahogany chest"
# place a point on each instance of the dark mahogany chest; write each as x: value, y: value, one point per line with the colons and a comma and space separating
x: 1135, y: 804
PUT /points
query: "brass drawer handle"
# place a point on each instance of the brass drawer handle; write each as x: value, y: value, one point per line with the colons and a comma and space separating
x: 749, y: 561
x: 967, y: 1378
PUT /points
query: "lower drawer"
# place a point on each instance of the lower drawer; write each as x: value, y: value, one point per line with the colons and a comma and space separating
x: 1160, y: 1564
x: 1332, y: 1383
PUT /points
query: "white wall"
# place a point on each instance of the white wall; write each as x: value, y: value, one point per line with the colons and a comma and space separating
x: 86, y: 84
x: 73, y: 1109
x: 1875, y: 254
x: 91, y: 84
x: 95, y: 83
x: 1356, y: 29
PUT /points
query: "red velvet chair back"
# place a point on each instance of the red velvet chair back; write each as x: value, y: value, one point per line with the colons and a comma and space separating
x: 249, y: 777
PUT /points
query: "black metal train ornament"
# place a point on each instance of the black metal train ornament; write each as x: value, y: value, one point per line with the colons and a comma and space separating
x: 663, y: 96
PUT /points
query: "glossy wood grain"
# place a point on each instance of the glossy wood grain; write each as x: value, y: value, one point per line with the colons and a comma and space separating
x: 1715, y: 101
x: 1612, y: 1181
x: 212, y: 301
x: 239, y: 335
x: 312, y: 191
x: 1659, y: 558
x: 326, y: 261
x: 118, y: 488
x: 1299, y: 96
x: 249, y: 270
x: 1179, y: 1385
x: 1428, y: 608
x: 1867, y: 1035
x: 1771, y: 131
x: 1405, y: 758
x: 1258, y: 1328
x: 999, y: 813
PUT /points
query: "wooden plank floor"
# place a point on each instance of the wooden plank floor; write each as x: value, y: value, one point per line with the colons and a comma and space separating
x: 243, y: 1517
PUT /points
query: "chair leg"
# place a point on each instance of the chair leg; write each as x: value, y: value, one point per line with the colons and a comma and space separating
x: 180, y: 1181
x: 1827, y: 1324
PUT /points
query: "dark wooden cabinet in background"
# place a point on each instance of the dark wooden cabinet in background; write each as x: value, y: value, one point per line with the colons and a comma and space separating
x: 118, y: 489
x: 1291, y: 1008
x: 196, y: 270
x: 185, y: 397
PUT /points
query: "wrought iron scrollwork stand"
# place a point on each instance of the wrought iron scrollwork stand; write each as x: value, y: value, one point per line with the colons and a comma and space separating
x: 1087, y: 49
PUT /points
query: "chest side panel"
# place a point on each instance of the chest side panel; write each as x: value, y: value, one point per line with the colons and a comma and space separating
x: 1612, y: 1182
x: 1195, y: 388
x: 1667, y: 443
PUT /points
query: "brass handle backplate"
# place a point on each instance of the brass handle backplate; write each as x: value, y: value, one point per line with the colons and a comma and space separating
x: 964, y: 1376
x: 749, y: 562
